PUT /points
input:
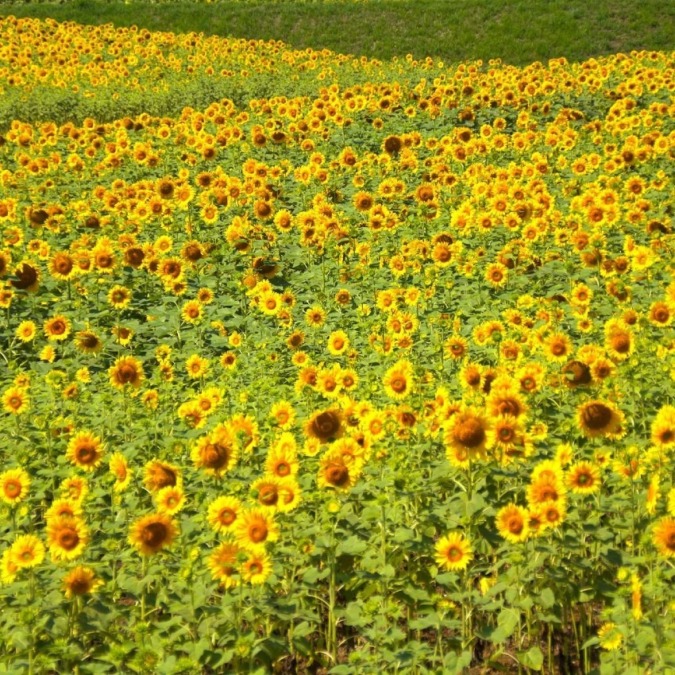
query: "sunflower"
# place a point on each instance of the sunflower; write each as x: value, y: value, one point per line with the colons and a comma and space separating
x: 290, y: 494
x: 513, y: 523
x: 663, y: 536
x: 576, y: 374
x: 223, y: 512
x: 196, y: 366
x: 619, y: 340
x: 505, y: 434
x: 85, y: 450
x: 583, y: 478
x: 119, y: 468
x: 57, y: 328
x: 609, y: 636
x: 660, y: 314
x: 315, y: 317
x: 8, y: 567
x: 66, y: 537
x: 88, y: 342
x: 255, y: 527
x: 170, y: 499
x: 505, y: 401
x: 26, y: 331
x: 76, y: 488
x: 337, y: 471
x: 545, y: 489
x: 398, y: 380
x: 228, y: 360
x: 150, y: 534
x: 126, y: 370
x: 81, y: 581
x: 27, y: 551
x: 15, y: 400
x: 119, y: 297
x: 338, y: 343
x: 268, y: 492
x: 467, y: 431
x: 282, y: 462
x: 192, y: 312
x: 553, y: 513
x: 496, y: 274
x: 456, y: 347
x: 558, y: 347
x: 256, y: 568
x: 663, y: 428
x: 223, y: 563
x: 283, y: 414
x: 159, y: 474
x: 216, y: 453
x: 63, y: 508
x: 325, y: 425
x: 653, y: 492
x: 14, y: 484
x: 453, y: 552
x: 600, y: 418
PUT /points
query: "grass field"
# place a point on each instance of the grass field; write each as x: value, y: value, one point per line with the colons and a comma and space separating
x: 518, y: 32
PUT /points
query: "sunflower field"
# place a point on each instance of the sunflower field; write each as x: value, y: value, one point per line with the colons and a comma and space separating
x: 335, y: 365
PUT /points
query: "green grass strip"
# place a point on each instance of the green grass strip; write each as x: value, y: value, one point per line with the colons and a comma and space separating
x: 518, y: 32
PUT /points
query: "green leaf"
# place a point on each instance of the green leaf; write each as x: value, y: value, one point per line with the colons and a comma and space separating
x: 533, y: 658
x: 547, y: 598
x: 351, y: 546
x: 506, y: 625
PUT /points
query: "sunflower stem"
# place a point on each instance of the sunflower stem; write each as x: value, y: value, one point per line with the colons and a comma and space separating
x: 144, y: 570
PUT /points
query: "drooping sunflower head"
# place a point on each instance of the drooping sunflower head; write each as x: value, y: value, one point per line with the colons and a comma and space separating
x: 600, y: 418
x: 335, y: 471
x: 160, y: 474
x: 224, y: 564
x: 325, y: 425
x: 468, y: 430
x: 150, y: 534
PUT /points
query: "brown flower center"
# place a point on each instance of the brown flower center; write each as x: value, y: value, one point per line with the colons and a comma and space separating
x: 470, y: 433
x: 154, y: 534
x: 338, y: 475
x: 596, y: 416
x: 68, y: 539
x: 258, y: 532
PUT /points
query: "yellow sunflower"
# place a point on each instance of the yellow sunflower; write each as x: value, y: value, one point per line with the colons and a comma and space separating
x: 223, y: 512
x: 66, y: 537
x: 126, y: 370
x: 27, y: 551
x: 14, y: 485
x: 513, y: 523
x: 453, y: 552
x: 81, y: 581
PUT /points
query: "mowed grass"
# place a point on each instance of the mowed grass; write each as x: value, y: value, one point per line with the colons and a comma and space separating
x: 518, y: 32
